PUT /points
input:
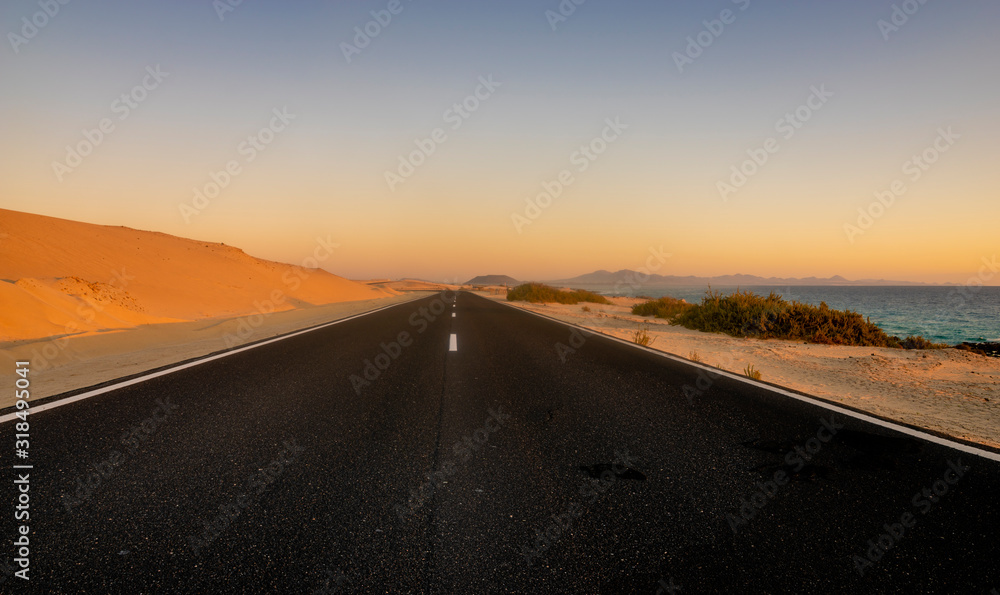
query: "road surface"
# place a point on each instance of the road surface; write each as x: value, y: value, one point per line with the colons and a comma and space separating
x: 457, y: 445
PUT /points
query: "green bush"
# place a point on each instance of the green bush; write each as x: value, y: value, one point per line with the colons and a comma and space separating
x: 540, y: 293
x: 665, y: 307
x: 745, y: 314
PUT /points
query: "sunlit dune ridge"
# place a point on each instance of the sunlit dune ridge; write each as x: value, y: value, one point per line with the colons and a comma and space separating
x: 62, y: 277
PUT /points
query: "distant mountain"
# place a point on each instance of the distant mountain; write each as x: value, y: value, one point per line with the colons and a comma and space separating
x: 493, y: 280
x: 627, y: 277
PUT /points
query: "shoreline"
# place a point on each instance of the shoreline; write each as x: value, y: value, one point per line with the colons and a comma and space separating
x: 814, y: 294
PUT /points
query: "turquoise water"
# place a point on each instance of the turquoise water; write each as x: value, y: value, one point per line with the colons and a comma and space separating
x: 942, y: 314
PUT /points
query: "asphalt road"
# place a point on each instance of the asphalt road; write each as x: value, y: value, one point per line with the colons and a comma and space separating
x: 529, y: 459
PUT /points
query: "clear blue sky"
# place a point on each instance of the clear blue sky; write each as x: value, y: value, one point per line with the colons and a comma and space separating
x: 658, y: 184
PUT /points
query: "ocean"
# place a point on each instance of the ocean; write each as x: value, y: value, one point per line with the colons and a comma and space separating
x: 949, y: 315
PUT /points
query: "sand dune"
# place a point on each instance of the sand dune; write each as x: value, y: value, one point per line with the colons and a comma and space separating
x: 60, y: 277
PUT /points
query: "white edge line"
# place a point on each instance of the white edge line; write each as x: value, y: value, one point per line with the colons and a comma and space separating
x: 718, y: 371
x: 116, y: 386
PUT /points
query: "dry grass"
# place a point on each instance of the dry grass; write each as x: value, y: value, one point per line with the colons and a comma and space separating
x: 642, y: 337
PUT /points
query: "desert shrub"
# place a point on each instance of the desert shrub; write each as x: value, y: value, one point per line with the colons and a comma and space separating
x: 751, y: 373
x: 919, y: 342
x: 642, y: 337
x: 745, y: 314
x: 665, y: 307
x: 540, y: 293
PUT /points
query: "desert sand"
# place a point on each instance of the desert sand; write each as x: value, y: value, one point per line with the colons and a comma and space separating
x: 87, y: 303
x: 63, y: 364
x: 947, y: 391
x: 60, y: 277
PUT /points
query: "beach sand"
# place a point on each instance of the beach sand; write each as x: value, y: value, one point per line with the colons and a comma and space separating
x: 947, y: 391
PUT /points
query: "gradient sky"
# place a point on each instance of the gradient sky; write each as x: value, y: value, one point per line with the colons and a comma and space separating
x: 655, y: 186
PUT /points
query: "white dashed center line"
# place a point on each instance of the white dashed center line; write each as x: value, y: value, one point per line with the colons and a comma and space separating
x: 453, y: 343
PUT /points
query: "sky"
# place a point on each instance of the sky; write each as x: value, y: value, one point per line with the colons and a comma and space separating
x: 538, y: 139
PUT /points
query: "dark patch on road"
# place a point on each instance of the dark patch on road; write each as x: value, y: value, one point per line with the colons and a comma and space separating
x: 808, y: 472
x: 778, y: 447
x: 876, y: 451
x: 640, y: 582
x: 596, y: 471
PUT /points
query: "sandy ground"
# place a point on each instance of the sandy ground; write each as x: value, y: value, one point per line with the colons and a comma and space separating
x: 68, y: 363
x: 947, y: 391
x: 61, y: 277
x: 89, y: 303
